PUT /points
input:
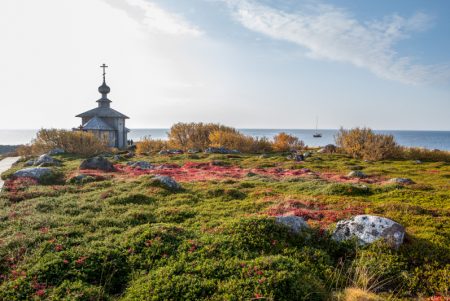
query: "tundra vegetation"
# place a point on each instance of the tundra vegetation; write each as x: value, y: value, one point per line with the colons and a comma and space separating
x: 123, y: 235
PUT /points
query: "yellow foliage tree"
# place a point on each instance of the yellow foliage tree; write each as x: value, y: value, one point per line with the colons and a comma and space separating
x: 284, y: 142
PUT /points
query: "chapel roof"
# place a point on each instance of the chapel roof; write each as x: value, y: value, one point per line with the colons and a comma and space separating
x: 103, y: 112
x: 98, y: 124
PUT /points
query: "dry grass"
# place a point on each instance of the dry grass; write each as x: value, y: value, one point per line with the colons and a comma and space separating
x: 356, y: 294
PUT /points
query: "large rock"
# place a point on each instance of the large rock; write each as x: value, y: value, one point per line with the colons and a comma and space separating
x: 98, y: 163
x: 46, y: 160
x: 368, y: 229
x: 296, y: 157
x: 404, y: 181
x: 220, y: 150
x: 171, y: 152
x: 168, y: 182
x: 193, y: 151
x: 141, y: 165
x: 295, y: 223
x: 36, y: 173
x: 357, y: 174
x: 81, y: 179
x: 328, y: 149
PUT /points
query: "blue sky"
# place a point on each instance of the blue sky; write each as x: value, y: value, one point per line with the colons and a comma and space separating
x: 245, y: 63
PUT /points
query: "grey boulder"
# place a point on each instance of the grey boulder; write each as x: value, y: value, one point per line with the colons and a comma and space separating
x: 97, y: 163
x: 46, y: 160
x: 357, y: 174
x: 168, y: 182
x: 33, y: 172
x: 295, y: 223
x: 141, y: 165
x: 368, y: 229
x: 328, y: 149
x: 404, y: 181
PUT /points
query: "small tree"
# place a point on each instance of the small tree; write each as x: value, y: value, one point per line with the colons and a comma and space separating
x: 284, y: 142
x: 363, y: 143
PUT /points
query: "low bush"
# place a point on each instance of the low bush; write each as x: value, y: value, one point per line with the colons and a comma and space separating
x: 150, y: 245
x: 194, y: 135
x: 73, y: 142
x: 423, y: 154
x: 345, y: 189
x: 239, y: 141
x: 150, y: 146
x: 363, y: 143
x: 284, y: 142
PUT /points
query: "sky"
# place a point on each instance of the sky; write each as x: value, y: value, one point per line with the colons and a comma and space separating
x: 245, y: 63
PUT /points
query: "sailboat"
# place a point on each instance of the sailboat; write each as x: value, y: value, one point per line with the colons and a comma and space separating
x: 317, y: 134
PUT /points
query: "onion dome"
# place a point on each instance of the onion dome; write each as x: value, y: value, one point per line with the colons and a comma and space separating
x: 104, y: 89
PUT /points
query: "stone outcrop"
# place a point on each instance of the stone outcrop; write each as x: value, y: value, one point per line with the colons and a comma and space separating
x: 36, y: 173
x: 404, y: 181
x: 168, y: 182
x: 295, y: 223
x: 141, y: 165
x: 97, y: 163
x: 46, y: 160
x: 368, y: 229
x: 328, y: 149
x: 357, y: 174
x: 220, y: 150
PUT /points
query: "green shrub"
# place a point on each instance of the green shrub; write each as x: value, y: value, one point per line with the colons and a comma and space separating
x: 167, y: 283
x: 253, y: 236
x: 430, y: 279
x: 148, y: 244
x: 174, y: 215
x: 100, y: 266
x: 273, y: 278
x: 345, y: 189
x: 76, y: 290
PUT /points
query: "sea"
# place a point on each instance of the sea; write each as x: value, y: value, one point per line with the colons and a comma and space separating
x: 427, y: 139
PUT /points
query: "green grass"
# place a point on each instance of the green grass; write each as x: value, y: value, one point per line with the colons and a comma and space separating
x: 126, y: 238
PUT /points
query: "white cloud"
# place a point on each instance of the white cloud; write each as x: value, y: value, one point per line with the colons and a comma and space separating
x: 157, y: 20
x: 332, y: 33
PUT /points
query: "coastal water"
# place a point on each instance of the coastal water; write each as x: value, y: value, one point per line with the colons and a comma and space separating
x: 428, y: 139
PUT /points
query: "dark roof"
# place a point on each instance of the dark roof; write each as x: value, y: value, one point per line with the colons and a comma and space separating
x: 98, y: 124
x: 103, y: 112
